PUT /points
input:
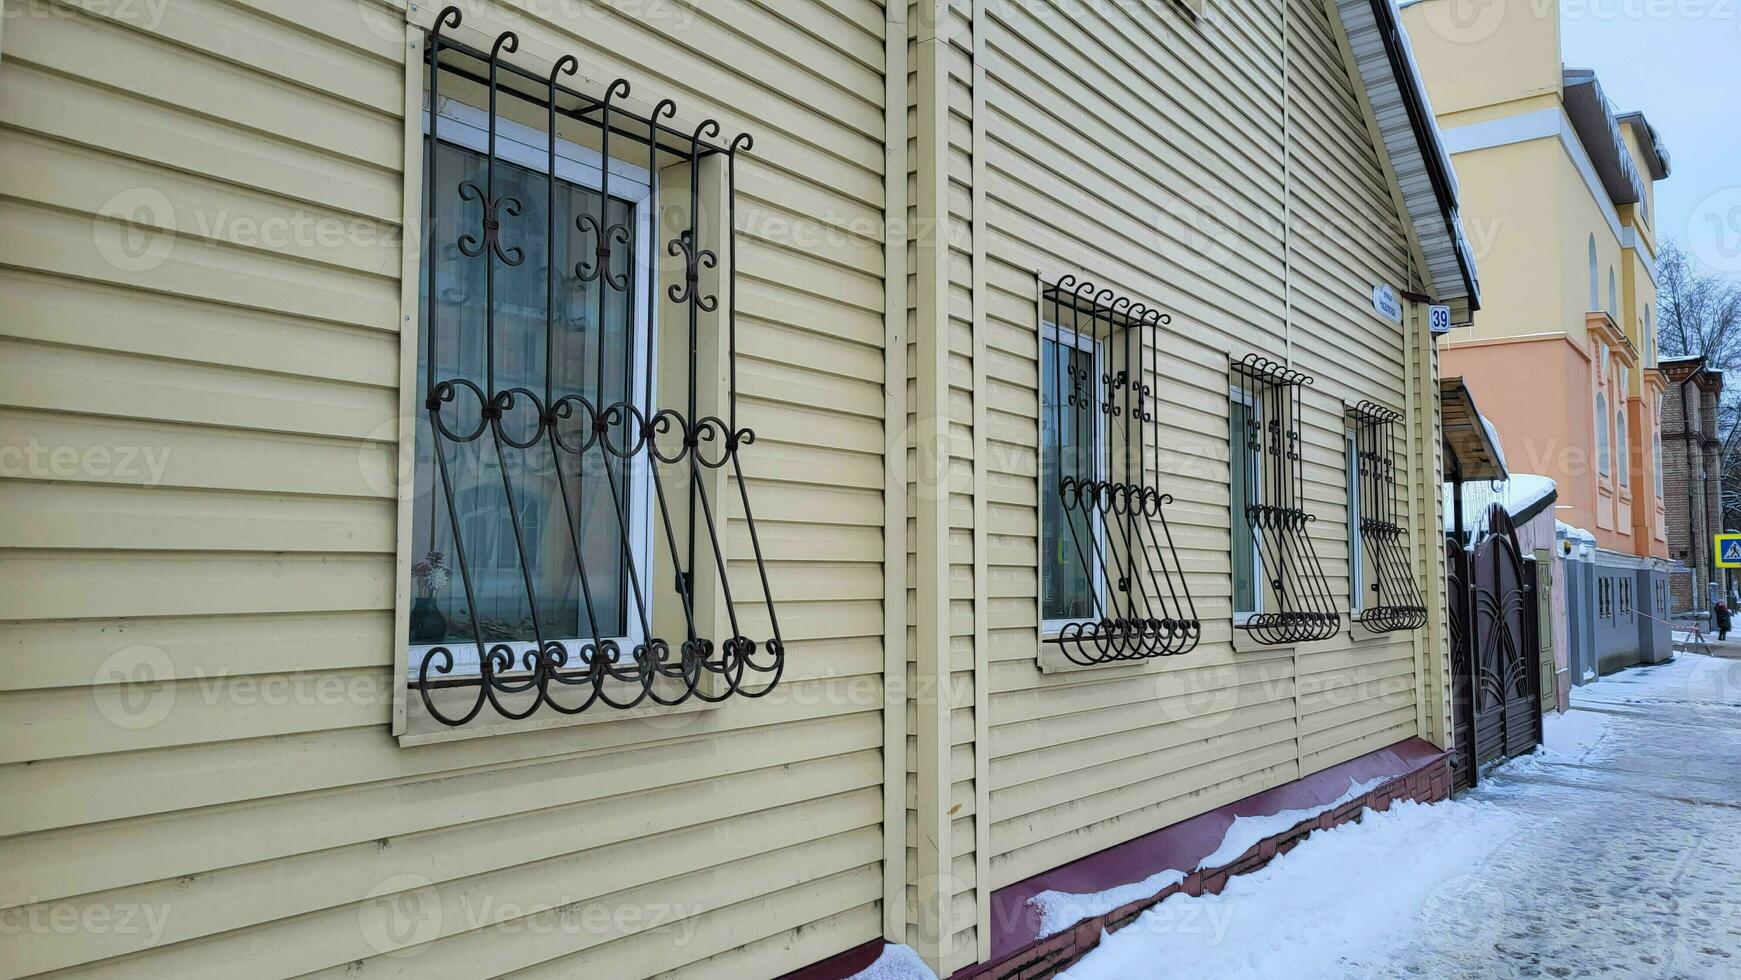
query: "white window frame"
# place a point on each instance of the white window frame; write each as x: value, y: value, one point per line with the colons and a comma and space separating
x: 467, y: 127
x: 1064, y: 336
x: 1356, y: 541
x: 1237, y: 447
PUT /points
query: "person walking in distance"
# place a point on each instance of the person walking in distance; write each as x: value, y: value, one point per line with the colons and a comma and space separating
x: 1720, y: 618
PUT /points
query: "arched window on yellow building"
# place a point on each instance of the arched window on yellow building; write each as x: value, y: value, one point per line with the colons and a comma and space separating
x: 1602, y: 433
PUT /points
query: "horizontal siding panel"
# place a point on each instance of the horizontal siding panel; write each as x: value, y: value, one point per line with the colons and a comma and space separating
x: 1092, y: 825
x: 715, y: 867
x: 95, y: 788
x: 181, y: 265
x: 45, y: 585
x: 202, y: 458
x: 90, y: 114
x: 83, y: 314
x: 658, y: 823
x: 363, y: 68
x: 1192, y: 220
x: 81, y: 181
x: 68, y: 381
x: 107, y: 54
x: 51, y: 653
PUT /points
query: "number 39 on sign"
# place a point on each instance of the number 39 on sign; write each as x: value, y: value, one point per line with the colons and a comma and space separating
x: 1439, y: 319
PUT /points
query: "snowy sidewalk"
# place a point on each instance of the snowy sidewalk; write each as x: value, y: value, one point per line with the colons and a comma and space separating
x: 1615, y: 851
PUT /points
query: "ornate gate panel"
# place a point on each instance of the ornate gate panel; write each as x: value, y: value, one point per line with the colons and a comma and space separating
x: 1496, y: 679
x: 1457, y: 594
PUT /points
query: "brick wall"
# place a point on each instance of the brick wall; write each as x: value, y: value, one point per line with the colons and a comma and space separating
x: 1705, y: 515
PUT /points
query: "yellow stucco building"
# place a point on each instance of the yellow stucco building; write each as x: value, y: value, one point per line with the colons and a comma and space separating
x: 1558, y: 189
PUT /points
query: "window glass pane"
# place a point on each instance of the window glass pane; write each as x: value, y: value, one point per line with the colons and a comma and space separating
x: 1625, y: 456
x: 593, y: 359
x: 1245, y: 460
x: 1601, y: 433
x: 1069, y: 449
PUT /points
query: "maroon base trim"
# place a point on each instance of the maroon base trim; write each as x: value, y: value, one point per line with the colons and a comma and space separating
x: 842, y: 964
x: 1413, y: 770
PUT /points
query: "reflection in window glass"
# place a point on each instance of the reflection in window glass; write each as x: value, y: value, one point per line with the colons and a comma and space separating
x: 1070, y: 447
x: 1247, y: 473
x: 538, y: 479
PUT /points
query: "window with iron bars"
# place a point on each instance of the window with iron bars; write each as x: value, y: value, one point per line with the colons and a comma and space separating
x: 1391, y: 599
x: 1280, y: 593
x: 1112, y: 589
x: 578, y: 451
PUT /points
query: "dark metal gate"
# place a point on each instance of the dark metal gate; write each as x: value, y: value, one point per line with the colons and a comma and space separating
x: 1496, y: 686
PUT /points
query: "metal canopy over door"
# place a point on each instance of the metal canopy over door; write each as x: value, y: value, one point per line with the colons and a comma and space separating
x: 1496, y: 682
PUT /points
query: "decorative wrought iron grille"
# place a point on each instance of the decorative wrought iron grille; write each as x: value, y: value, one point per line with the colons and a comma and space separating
x: 610, y: 420
x: 1298, y: 605
x: 1107, y: 484
x: 1395, y: 602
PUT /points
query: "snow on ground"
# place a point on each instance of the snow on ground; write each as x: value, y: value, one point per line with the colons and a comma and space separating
x: 1061, y: 910
x: 1614, y: 851
x: 1247, y: 831
x: 1315, y: 911
x: 896, y: 963
x: 1574, y: 733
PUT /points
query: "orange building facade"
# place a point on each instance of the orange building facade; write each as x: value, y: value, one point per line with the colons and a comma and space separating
x: 1584, y: 411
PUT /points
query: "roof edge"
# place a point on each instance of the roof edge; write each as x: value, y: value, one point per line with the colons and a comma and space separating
x: 1386, y: 69
x: 1655, y: 151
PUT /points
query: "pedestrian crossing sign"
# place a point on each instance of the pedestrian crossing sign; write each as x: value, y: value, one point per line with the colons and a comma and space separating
x: 1728, y: 550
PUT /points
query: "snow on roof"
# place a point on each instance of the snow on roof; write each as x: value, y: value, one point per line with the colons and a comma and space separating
x: 1521, y: 494
x: 1498, y: 447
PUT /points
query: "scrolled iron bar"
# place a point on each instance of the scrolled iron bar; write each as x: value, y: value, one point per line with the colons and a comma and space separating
x: 617, y: 436
x: 1298, y: 605
x: 1396, y: 604
x: 1145, y: 609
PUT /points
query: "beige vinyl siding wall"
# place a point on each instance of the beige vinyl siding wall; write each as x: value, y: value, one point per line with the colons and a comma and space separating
x: 1146, y: 151
x: 1362, y: 696
x: 262, y: 810
x: 943, y: 894
x: 1426, y: 512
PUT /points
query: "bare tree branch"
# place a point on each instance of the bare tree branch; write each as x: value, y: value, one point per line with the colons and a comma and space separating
x: 1700, y: 315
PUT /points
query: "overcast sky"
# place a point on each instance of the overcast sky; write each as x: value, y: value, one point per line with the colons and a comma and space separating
x: 1678, y: 62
